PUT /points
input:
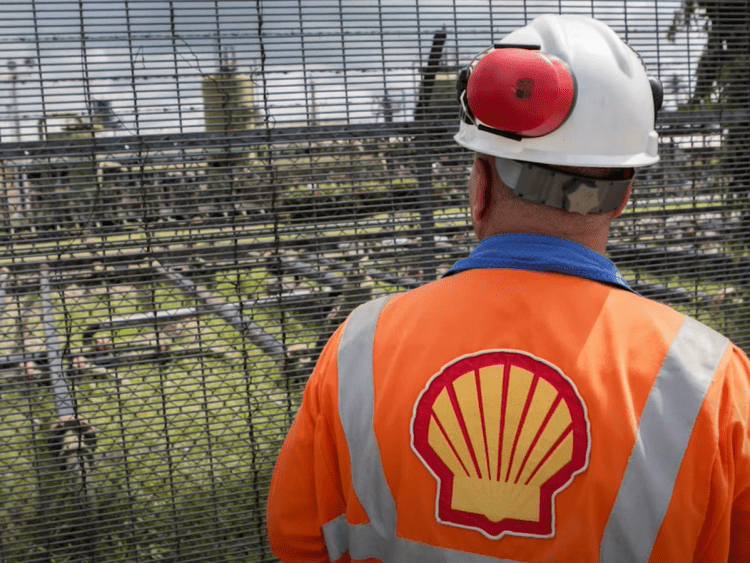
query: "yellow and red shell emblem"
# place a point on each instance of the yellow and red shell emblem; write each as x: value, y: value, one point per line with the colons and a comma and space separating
x: 502, y: 432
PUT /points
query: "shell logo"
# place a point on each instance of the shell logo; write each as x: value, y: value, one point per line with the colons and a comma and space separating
x: 502, y: 432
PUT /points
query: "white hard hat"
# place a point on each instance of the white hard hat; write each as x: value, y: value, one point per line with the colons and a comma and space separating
x: 563, y: 90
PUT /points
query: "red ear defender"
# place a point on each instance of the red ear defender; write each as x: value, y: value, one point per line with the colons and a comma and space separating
x: 521, y: 91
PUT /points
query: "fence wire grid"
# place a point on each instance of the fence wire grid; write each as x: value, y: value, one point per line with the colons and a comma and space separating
x: 194, y: 194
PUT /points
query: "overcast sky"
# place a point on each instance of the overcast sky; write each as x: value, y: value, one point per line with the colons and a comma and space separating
x: 147, y: 58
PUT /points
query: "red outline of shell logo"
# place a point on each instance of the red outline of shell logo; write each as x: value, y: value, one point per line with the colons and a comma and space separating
x: 503, y: 433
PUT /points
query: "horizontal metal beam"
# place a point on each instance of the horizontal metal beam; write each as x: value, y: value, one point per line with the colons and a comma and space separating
x: 144, y: 146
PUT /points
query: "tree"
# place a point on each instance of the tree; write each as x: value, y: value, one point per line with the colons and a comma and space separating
x: 722, y: 81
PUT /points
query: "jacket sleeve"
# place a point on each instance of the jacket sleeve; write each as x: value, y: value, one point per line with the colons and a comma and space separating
x: 738, y: 440
x: 305, y: 490
x: 725, y: 534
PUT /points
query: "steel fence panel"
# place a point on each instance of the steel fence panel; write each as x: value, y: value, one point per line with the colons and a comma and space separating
x: 194, y: 195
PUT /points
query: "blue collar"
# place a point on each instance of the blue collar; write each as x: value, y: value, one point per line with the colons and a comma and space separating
x: 542, y: 254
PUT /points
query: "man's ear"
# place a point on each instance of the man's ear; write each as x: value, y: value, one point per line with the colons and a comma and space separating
x: 624, y: 201
x: 480, y: 190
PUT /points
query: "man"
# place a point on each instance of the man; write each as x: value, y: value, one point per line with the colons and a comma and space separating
x: 528, y: 406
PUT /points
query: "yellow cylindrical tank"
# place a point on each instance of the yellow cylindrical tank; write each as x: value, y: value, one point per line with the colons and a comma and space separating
x: 228, y: 102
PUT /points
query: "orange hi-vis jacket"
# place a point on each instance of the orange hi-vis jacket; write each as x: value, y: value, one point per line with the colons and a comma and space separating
x: 518, y: 416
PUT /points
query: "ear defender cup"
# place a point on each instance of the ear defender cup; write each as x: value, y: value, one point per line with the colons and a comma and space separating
x: 521, y: 91
x: 657, y: 91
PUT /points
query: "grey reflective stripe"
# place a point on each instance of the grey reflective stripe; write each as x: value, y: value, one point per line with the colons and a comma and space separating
x: 362, y: 543
x: 336, y: 536
x: 664, y: 430
x: 377, y: 539
x: 356, y: 406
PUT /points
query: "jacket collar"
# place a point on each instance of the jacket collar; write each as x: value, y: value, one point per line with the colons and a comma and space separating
x: 541, y: 253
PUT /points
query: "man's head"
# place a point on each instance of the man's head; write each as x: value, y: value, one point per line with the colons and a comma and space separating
x: 566, y: 109
x: 496, y: 209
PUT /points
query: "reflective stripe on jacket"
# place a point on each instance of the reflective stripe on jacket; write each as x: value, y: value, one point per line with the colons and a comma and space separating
x: 666, y: 471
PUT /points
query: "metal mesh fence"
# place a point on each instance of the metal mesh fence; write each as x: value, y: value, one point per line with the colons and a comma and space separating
x: 195, y: 194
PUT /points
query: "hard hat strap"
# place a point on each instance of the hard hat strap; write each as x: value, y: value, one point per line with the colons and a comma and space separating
x: 553, y: 187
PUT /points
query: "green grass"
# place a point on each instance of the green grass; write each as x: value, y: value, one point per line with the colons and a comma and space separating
x: 185, y: 446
